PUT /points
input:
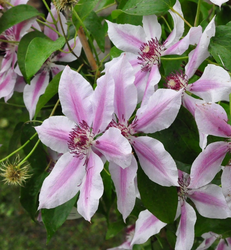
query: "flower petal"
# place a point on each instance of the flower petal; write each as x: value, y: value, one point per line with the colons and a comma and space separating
x: 153, y: 79
x: 7, y: 83
x: 74, y: 96
x: 226, y: 184
x: 181, y: 46
x: 115, y: 147
x: 156, y: 162
x: 213, y: 86
x: 125, y: 91
x: 33, y: 91
x: 63, y: 182
x: 126, y: 37
x: 124, y: 181
x: 178, y: 29
x: 54, y: 132
x: 146, y: 226
x: 210, y: 202
x: 151, y: 27
x: 209, y: 238
x: 207, y: 164
x: 102, y: 103
x: 212, y: 119
x: 160, y: 111
x: 200, y: 53
x: 185, y: 230
x: 218, y: 2
x: 91, y: 188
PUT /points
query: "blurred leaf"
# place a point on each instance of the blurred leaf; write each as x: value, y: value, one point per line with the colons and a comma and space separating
x: 115, y: 52
x: 144, y: 7
x: 55, y: 217
x: 51, y: 90
x: 17, y: 14
x: 181, y: 139
x: 223, y: 15
x: 83, y: 9
x: 220, y: 46
x: 38, y: 162
x: 93, y: 24
x: 33, y: 50
x: 114, y: 228
x: 159, y: 200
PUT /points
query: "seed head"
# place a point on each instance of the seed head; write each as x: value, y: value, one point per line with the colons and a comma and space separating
x: 13, y: 173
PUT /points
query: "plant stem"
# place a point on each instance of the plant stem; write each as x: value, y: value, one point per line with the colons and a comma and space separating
x: 181, y: 17
x: 196, y: 22
x: 8, y: 156
x: 174, y: 58
x: 31, y: 152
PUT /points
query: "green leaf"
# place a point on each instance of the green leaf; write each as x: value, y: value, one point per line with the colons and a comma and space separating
x: 159, y: 200
x: 181, y: 139
x: 93, y: 24
x: 51, y: 90
x: 55, y: 217
x: 34, y: 49
x: 220, y: 46
x: 115, y: 52
x: 145, y: 7
x: 204, y: 225
x: 83, y: 9
x: 17, y: 14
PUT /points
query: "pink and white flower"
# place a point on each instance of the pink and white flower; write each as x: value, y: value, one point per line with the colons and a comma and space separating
x: 145, y: 48
x: 214, y: 85
x: 207, y: 198
x: 155, y: 114
x: 80, y: 136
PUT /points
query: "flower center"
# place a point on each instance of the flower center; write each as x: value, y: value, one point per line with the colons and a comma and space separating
x: 184, y: 182
x: 125, y: 130
x: 177, y: 81
x: 80, y: 140
x: 150, y: 54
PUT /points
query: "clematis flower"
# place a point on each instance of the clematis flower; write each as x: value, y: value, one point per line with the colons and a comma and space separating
x: 39, y: 83
x: 80, y: 136
x: 145, y: 48
x: 214, y: 85
x: 210, y: 238
x: 156, y: 114
x: 207, y: 198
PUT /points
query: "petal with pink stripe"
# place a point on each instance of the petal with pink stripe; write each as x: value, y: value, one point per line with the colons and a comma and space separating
x: 91, y: 188
x: 124, y: 181
x: 63, y: 182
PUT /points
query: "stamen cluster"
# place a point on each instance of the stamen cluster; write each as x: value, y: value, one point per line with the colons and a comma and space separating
x: 80, y: 140
x: 184, y: 182
x: 177, y: 81
x: 150, y: 54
